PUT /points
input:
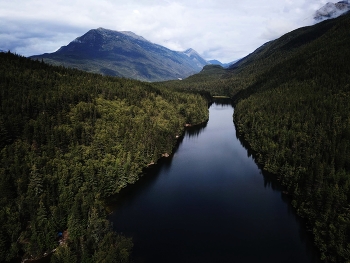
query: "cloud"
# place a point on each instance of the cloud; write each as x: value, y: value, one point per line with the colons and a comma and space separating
x: 29, y: 37
x: 217, y: 29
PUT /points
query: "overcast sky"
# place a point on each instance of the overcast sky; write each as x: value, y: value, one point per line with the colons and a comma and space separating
x: 217, y: 29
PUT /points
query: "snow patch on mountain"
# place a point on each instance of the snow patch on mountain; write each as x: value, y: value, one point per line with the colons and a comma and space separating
x: 332, y: 10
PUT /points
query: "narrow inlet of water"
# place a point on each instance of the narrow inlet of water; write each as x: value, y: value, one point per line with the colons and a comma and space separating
x: 210, y: 203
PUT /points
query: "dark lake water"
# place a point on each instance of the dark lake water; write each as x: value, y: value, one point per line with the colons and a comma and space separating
x: 210, y: 202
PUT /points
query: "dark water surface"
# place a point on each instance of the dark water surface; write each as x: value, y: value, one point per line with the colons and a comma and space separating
x: 210, y: 203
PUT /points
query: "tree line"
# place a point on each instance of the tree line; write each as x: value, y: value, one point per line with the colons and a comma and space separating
x: 292, y: 104
x: 69, y: 140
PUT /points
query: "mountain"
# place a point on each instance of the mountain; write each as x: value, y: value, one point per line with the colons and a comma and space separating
x: 214, y: 62
x: 332, y: 10
x: 207, y: 74
x: 224, y: 65
x: 125, y: 54
x: 195, y: 57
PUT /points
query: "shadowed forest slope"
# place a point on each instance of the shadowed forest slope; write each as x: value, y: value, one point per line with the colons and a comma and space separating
x: 292, y: 104
x: 68, y: 140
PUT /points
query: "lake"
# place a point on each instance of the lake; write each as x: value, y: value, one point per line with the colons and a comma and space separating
x: 209, y: 202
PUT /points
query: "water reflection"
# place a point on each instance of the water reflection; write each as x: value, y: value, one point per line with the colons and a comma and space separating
x: 272, y: 182
x: 209, y: 202
x: 194, y: 131
x: 147, y: 178
x: 222, y: 101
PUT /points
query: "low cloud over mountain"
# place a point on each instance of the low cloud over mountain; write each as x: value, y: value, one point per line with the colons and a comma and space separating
x: 332, y: 10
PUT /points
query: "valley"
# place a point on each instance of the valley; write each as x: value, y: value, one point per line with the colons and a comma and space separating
x: 291, y: 100
x: 71, y: 139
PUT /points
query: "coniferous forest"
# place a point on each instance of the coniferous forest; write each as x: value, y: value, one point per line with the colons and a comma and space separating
x: 69, y: 140
x: 292, y: 109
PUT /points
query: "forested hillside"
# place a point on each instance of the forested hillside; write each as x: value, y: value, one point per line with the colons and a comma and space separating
x: 295, y: 117
x: 292, y: 104
x: 68, y: 140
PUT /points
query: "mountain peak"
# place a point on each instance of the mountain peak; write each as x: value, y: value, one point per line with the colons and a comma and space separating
x: 191, y: 52
x: 195, y: 57
x: 332, y: 10
x: 113, y: 33
x: 125, y: 54
x: 102, y: 29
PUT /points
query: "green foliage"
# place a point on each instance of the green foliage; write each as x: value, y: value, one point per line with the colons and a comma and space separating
x: 70, y: 139
x: 295, y: 118
x: 292, y: 104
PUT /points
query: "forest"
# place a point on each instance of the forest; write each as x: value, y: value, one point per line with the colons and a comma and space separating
x: 71, y: 139
x: 292, y: 104
x: 68, y: 141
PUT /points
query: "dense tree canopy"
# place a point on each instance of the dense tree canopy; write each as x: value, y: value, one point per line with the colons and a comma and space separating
x: 292, y: 104
x: 70, y: 139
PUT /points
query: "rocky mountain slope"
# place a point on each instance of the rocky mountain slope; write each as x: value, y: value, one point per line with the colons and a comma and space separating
x: 332, y: 10
x: 125, y: 54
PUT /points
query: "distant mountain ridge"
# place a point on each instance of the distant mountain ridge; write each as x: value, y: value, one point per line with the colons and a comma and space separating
x: 194, y: 56
x: 125, y: 54
x: 224, y: 65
